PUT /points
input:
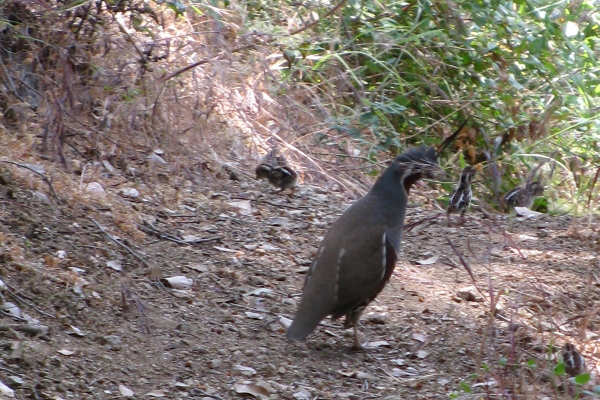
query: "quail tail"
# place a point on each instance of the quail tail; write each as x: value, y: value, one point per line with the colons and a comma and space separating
x: 303, y: 326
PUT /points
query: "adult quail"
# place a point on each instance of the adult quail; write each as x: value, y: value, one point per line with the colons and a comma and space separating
x: 574, y: 361
x: 358, y: 254
x: 523, y: 195
x: 460, y: 199
x: 275, y: 169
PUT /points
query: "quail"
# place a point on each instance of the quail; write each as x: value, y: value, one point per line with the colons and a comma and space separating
x: 359, y: 252
x: 460, y: 199
x: 574, y: 361
x: 523, y: 195
x: 274, y: 168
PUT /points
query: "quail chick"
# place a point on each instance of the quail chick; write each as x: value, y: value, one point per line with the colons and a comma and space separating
x: 574, y: 361
x: 280, y: 177
x: 523, y: 195
x: 460, y: 199
x: 275, y: 169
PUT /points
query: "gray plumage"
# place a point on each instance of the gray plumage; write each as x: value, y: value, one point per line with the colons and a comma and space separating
x: 359, y: 252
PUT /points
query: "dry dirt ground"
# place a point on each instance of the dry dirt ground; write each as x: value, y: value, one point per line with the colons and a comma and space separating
x: 113, y: 334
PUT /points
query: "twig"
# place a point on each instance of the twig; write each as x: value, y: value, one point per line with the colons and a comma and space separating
x: 464, y: 263
x: 410, y: 226
x: 151, y: 229
x: 44, y: 177
x: 249, y: 308
x: 271, y: 203
x: 111, y: 237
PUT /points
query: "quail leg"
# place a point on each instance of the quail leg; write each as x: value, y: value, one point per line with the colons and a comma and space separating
x: 462, y: 216
x: 352, y: 319
x: 357, y: 345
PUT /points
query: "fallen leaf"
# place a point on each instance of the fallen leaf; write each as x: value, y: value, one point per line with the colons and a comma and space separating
x: 269, y: 247
x: 156, y: 393
x: 279, y: 221
x: 125, y: 391
x: 285, y: 322
x: 248, y: 371
x: 244, y: 205
x: 225, y: 249
x: 527, y: 213
x: 74, y: 331
x: 177, y: 282
x: 356, y: 374
x: 527, y: 238
x: 115, y: 264
x: 66, y: 352
x: 254, y: 315
x: 419, y: 337
x: 364, y: 375
x: 12, y: 309
x: 374, y: 345
x: 253, y: 389
x: 428, y: 261
x: 6, y: 391
x: 257, y: 292
x: 422, y: 354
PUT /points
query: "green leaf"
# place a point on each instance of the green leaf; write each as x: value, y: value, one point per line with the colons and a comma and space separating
x: 582, y: 379
x: 465, y: 387
x: 538, y: 45
x: 402, y: 100
x: 559, y: 369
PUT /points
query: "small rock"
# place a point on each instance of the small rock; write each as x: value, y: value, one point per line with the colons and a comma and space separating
x: 543, y: 233
x: 39, y: 196
x: 94, y: 188
x: 129, y: 193
x: 156, y: 159
x: 469, y: 293
x: 302, y: 394
x: 215, y: 363
x: 376, y: 319
x: 113, y: 342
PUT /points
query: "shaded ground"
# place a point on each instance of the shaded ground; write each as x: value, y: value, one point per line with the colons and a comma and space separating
x: 224, y: 334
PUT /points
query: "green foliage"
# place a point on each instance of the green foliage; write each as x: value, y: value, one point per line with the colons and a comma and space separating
x: 559, y: 370
x: 581, y: 379
x: 409, y: 72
